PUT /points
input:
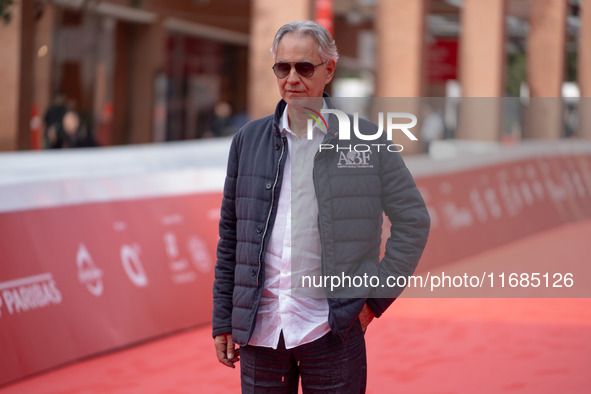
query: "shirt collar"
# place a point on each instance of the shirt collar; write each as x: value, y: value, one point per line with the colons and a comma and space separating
x: 284, y: 123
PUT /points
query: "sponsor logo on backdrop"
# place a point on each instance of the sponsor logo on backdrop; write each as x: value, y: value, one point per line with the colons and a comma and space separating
x: 88, y: 273
x: 133, y: 266
x: 29, y: 293
x: 200, y: 256
x: 180, y: 269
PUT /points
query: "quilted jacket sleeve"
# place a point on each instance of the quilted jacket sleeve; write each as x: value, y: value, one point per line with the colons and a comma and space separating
x: 409, y: 230
x: 223, y: 285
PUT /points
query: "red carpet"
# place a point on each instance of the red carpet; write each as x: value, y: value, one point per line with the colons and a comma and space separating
x: 419, y: 346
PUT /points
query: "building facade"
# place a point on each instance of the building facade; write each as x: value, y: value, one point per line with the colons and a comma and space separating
x: 141, y: 71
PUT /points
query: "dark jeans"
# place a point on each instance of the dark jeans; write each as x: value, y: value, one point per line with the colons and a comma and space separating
x: 327, y: 365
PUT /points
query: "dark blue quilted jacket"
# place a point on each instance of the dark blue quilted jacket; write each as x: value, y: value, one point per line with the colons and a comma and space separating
x: 351, y: 203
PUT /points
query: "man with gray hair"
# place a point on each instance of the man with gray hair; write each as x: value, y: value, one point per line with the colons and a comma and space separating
x: 289, y: 209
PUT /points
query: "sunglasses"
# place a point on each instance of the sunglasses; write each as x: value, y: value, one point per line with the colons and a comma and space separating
x: 305, y: 69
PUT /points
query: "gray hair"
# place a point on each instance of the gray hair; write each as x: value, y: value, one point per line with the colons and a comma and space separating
x: 327, y: 48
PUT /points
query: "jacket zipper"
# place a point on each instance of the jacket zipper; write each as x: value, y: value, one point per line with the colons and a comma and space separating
x: 270, y: 209
x: 315, y: 180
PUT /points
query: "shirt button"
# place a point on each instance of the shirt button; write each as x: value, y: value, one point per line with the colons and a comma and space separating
x: 254, y: 272
x: 289, y: 244
x: 284, y: 272
x: 269, y: 185
x: 277, y: 146
x: 259, y: 229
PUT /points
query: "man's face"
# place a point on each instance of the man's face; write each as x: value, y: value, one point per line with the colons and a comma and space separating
x: 291, y: 49
x: 70, y: 123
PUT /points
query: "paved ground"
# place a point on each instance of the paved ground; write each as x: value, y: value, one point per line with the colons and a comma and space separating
x: 421, y: 345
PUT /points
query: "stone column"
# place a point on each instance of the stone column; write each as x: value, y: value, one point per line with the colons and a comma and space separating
x: 267, y: 18
x: 545, y: 68
x: 16, y: 69
x: 400, y: 65
x: 148, y: 56
x: 482, y: 69
x: 400, y: 31
x: 44, y: 50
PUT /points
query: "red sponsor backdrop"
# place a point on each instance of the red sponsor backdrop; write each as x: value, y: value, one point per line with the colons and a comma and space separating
x: 83, y: 279
x: 80, y: 280
x: 474, y: 210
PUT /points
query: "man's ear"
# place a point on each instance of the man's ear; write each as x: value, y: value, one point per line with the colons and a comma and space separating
x: 330, y: 68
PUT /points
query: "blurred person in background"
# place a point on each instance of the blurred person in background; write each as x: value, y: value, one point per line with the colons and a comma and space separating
x: 71, y: 133
x: 221, y: 123
x: 571, y: 121
x: 432, y: 125
x: 53, y: 118
x: 269, y: 188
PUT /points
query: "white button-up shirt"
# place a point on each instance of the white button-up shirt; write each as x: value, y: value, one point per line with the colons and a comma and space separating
x: 295, y: 237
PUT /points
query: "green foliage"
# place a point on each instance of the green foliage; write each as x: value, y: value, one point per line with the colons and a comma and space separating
x: 4, y: 12
x: 515, y: 73
x: 571, y: 66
